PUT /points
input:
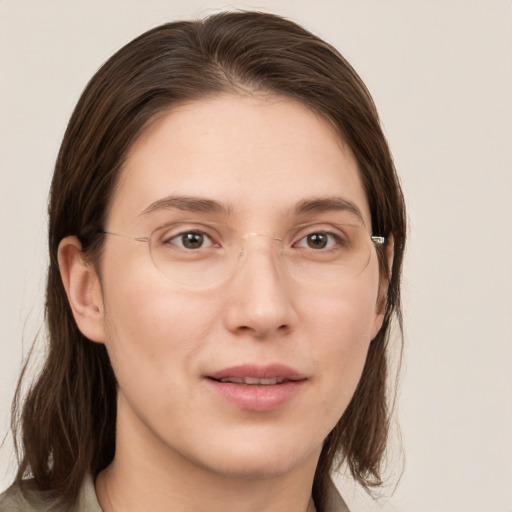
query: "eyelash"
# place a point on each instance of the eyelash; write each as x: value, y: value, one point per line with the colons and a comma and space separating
x: 179, y: 236
x: 334, y: 238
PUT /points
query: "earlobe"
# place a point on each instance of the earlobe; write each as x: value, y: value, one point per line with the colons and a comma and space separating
x: 380, y: 308
x: 83, y: 289
x: 377, y: 324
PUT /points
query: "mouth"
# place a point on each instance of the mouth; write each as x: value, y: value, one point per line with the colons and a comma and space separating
x: 253, y: 381
x: 257, y: 388
x: 254, y: 375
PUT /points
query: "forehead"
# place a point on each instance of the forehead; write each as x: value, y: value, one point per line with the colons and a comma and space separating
x: 252, y: 153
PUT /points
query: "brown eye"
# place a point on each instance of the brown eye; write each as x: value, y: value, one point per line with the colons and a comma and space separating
x: 317, y: 240
x: 190, y: 240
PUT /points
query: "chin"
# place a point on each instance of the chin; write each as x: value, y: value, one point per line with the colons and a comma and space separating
x: 261, y: 460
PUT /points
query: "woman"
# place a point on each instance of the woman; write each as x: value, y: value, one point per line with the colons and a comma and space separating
x: 226, y: 235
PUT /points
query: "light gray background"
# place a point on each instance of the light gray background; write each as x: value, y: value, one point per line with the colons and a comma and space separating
x: 441, y: 75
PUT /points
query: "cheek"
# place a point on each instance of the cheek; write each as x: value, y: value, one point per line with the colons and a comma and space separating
x: 152, y: 332
x: 344, y: 325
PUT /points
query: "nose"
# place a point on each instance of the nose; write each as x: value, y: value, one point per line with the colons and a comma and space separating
x: 259, y: 295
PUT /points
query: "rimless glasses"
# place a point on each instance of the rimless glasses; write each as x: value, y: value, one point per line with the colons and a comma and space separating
x: 202, y: 255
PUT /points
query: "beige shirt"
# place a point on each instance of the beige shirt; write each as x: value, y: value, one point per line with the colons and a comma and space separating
x: 30, y: 501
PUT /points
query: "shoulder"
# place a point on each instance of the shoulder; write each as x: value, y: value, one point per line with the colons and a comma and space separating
x: 334, y: 501
x: 26, y: 497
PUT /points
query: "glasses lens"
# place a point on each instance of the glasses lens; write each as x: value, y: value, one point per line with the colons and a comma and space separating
x: 330, y: 258
x: 325, y: 256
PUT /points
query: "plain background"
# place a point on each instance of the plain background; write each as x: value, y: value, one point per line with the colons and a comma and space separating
x: 441, y: 75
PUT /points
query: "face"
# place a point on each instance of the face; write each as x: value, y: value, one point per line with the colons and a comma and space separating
x: 248, y: 375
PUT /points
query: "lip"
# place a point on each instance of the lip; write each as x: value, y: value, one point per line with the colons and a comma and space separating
x: 257, y: 397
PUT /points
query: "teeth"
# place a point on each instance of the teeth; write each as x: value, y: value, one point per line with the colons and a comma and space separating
x: 235, y: 380
x: 253, y: 381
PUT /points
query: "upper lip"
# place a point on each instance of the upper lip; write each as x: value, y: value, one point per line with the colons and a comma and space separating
x: 270, y: 371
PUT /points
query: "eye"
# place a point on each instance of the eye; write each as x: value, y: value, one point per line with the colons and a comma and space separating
x: 319, y: 240
x: 190, y: 240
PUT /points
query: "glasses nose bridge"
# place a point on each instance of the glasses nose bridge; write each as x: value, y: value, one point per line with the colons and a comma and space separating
x: 258, y: 256
x: 247, y: 245
x: 244, y: 240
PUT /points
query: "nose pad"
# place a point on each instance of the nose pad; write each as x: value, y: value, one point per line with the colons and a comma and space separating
x: 248, y: 236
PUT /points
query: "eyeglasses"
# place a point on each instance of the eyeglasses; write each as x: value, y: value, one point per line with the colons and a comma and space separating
x: 203, y: 255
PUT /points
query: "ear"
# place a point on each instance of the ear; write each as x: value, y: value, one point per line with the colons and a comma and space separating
x: 83, y: 289
x: 380, y: 307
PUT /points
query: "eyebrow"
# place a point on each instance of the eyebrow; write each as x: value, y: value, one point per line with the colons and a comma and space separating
x: 203, y: 205
x: 188, y: 204
x: 325, y: 204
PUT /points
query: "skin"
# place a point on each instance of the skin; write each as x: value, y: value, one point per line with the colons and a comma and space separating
x: 260, y: 156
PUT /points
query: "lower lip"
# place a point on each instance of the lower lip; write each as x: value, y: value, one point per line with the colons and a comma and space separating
x: 257, y: 398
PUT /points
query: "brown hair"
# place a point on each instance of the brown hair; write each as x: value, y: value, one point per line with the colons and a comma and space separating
x: 68, y: 418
